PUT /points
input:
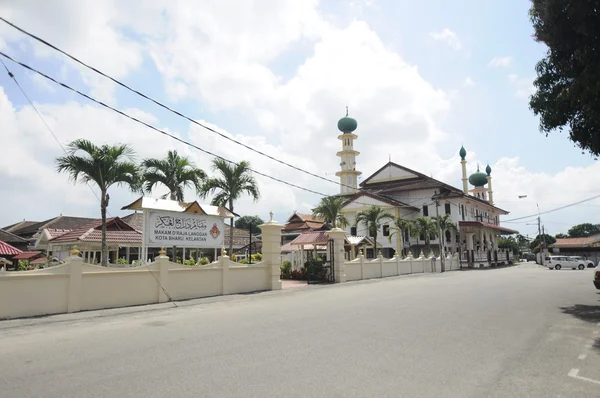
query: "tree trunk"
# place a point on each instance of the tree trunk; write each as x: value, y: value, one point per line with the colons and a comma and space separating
x: 231, y: 229
x: 103, y: 206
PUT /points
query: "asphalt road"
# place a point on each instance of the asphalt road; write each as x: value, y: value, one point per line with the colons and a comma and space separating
x: 522, y: 331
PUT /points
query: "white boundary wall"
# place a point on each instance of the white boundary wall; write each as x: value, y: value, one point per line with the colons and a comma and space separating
x: 77, y: 286
x: 361, y: 268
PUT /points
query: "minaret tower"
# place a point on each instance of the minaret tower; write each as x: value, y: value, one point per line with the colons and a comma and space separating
x: 463, y: 163
x: 478, y: 180
x: 488, y: 171
x: 348, y: 174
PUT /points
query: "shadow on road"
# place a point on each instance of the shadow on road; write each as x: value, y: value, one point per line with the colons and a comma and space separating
x: 588, y: 313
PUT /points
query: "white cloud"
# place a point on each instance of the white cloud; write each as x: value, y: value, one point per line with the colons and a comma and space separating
x: 449, y: 37
x: 42, y: 83
x: 468, y: 82
x: 500, y: 62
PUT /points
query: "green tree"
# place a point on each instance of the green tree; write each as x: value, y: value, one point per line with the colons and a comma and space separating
x: 544, y: 238
x: 427, y: 228
x: 568, y: 78
x: 330, y: 209
x: 175, y: 172
x: 444, y: 223
x: 509, y: 243
x: 105, y: 166
x: 584, y: 230
x: 245, y: 222
x: 234, y: 180
x: 561, y: 236
x: 372, y: 218
x: 402, y: 228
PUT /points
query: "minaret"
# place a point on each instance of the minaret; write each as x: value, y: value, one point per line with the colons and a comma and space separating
x: 478, y: 180
x: 463, y: 162
x: 348, y: 174
x: 488, y: 171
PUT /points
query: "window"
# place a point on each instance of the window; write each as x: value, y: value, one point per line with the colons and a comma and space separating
x: 448, y: 236
x: 425, y: 210
x: 421, y: 237
x: 353, y: 231
x: 448, y: 208
x: 386, y: 230
x: 463, y: 212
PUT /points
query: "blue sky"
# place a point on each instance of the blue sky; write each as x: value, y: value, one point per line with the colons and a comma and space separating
x: 258, y: 79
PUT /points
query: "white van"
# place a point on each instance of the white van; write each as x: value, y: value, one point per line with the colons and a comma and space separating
x: 558, y: 262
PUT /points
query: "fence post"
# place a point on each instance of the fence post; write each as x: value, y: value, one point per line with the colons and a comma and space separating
x: 162, y: 261
x: 338, y: 235
x: 362, y: 265
x: 75, y: 269
x: 380, y: 258
x: 271, y: 250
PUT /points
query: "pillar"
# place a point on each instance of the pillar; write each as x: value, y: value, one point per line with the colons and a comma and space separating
x: 338, y: 235
x: 162, y: 261
x: 271, y: 250
x: 465, y: 180
x: 470, y: 247
x: 490, y: 191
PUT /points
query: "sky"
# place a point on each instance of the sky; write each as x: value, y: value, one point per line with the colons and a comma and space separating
x: 421, y: 78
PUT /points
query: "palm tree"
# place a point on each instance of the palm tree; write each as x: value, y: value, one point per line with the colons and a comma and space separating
x: 329, y: 209
x: 104, y: 165
x: 372, y: 219
x: 234, y: 181
x: 444, y: 223
x: 175, y: 172
x: 423, y: 226
x: 401, y: 227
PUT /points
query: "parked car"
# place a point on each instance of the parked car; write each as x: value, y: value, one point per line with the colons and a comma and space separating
x: 589, y: 263
x: 597, y: 276
x: 559, y: 262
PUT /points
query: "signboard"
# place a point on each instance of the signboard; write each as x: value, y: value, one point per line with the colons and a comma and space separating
x: 166, y: 229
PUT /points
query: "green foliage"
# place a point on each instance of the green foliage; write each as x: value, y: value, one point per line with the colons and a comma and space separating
x: 245, y: 222
x: 234, y: 181
x: 189, y: 261
x: 122, y: 261
x: 568, y: 78
x: 545, y: 239
x: 256, y: 257
x: 286, y: 270
x: 24, y: 265
x: 372, y: 218
x: 584, y: 230
x: 426, y: 227
x: 329, y: 209
x: 105, y: 166
x: 244, y: 261
x: 175, y: 172
x: 561, y: 236
x: 204, y: 261
x: 509, y: 243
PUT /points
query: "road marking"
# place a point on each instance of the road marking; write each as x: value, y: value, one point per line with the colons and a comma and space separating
x: 582, y: 356
x: 574, y: 373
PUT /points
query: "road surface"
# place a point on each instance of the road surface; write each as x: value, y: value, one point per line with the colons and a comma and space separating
x: 519, y: 331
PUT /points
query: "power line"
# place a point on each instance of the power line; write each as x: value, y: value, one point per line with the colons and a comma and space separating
x: 167, y: 107
x: 553, y: 210
x: 142, y: 261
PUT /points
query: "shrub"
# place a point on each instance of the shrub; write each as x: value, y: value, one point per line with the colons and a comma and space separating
x: 286, y: 269
x: 122, y: 261
x: 244, y: 261
x: 24, y: 265
x: 295, y: 274
x: 204, y: 261
x: 257, y: 257
x: 190, y: 261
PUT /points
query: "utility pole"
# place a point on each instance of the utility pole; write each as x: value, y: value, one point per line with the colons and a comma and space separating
x: 440, y: 237
x: 540, y: 235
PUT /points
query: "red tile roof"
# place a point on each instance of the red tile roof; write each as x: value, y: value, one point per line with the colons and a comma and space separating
x: 319, y: 238
x: 576, y: 242
x: 117, y: 231
x: 25, y: 255
x: 8, y: 250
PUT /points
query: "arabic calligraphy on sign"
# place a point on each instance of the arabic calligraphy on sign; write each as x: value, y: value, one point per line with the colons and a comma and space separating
x: 183, y: 230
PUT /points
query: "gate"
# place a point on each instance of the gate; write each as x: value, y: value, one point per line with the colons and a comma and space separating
x: 322, y: 271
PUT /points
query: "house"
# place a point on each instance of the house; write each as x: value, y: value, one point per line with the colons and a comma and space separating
x: 30, y: 230
x: 298, y: 223
x: 587, y: 247
x: 7, y: 253
x: 14, y: 240
x: 409, y: 194
x: 123, y: 241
